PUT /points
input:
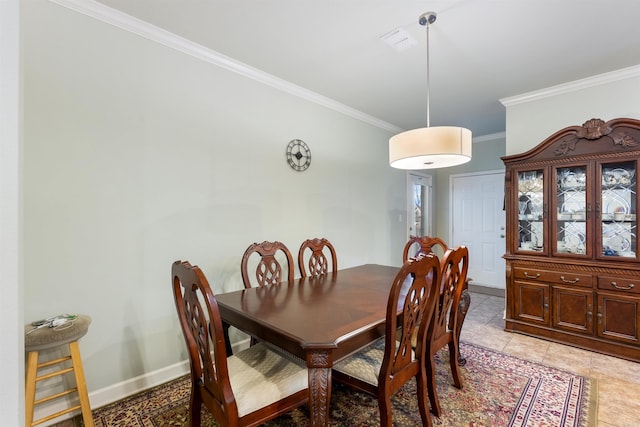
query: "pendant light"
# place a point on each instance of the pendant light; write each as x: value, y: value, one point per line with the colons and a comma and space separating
x: 430, y: 147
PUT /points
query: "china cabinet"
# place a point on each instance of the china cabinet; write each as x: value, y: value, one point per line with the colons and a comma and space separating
x: 573, y: 268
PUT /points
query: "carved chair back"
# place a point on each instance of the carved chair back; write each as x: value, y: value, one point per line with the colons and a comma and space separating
x: 317, y: 262
x: 202, y: 329
x: 274, y: 261
x: 423, y: 245
x: 444, y: 329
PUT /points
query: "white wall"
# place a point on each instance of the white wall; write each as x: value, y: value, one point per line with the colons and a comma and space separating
x: 531, y: 118
x: 136, y: 155
x: 12, y: 349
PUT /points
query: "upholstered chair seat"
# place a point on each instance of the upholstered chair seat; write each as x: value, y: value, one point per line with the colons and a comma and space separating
x: 365, y: 364
x: 260, y: 376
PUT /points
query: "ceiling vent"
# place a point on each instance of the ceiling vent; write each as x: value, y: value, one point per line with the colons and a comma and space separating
x: 399, y: 39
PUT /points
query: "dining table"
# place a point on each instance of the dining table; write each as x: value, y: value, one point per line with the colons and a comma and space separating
x: 320, y: 319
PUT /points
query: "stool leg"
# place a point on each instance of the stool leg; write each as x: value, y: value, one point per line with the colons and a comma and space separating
x: 81, y: 384
x: 30, y: 387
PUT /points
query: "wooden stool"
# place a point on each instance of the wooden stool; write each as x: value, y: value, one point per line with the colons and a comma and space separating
x: 48, y: 338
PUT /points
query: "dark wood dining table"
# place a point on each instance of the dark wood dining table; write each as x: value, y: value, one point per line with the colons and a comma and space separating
x: 319, y: 319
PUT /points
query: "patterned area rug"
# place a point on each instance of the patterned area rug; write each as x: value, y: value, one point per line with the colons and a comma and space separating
x: 498, y: 390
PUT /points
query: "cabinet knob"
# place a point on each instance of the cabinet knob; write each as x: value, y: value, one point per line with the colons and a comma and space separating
x: 528, y: 276
x: 576, y: 280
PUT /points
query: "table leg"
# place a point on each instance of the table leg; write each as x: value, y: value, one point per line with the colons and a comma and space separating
x: 319, y: 365
x: 227, y: 342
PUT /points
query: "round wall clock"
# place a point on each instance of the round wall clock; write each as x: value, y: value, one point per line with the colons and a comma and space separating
x: 298, y: 155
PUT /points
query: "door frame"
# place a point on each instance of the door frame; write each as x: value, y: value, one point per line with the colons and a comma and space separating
x: 409, y: 202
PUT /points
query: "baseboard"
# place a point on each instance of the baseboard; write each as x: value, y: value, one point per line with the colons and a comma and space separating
x: 115, y: 392
x: 118, y: 391
x: 486, y: 290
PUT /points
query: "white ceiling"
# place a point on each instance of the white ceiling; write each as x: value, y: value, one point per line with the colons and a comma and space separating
x: 481, y: 50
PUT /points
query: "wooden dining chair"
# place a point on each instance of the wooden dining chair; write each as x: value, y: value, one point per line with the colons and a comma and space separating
x: 443, y: 329
x: 246, y: 389
x: 317, y: 260
x: 424, y: 245
x: 383, y: 367
x: 269, y: 268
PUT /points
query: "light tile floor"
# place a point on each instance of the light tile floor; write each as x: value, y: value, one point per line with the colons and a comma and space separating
x: 618, y: 379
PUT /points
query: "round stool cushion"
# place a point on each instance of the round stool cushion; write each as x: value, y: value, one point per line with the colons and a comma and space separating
x: 44, y: 338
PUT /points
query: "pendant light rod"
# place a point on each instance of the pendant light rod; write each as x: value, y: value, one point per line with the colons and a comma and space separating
x: 426, y: 19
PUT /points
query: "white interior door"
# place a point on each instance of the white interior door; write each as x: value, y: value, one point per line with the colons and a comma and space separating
x: 418, y: 204
x: 478, y: 222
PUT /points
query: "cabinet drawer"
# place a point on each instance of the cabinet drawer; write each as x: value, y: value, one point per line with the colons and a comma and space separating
x: 551, y: 276
x: 613, y: 283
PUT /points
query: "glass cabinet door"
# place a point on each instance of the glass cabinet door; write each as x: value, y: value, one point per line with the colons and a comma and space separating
x: 572, y: 213
x: 531, y: 211
x: 618, y: 208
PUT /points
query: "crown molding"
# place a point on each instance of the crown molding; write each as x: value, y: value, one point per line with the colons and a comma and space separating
x: 600, y: 79
x: 146, y: 30
x: 490, y: 137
